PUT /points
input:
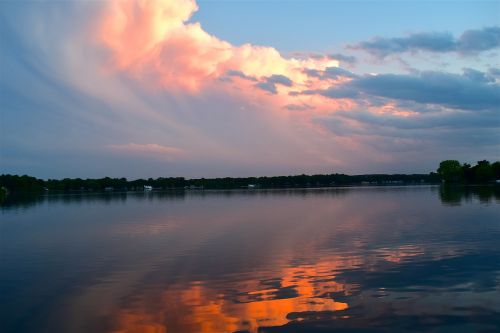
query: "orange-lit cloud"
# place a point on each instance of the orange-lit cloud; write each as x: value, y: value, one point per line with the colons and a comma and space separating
x: 154, y: 41
x: 144, y: 71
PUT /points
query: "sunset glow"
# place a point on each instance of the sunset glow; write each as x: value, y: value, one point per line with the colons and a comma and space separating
x: 224, y: 166
x: 172, y: 82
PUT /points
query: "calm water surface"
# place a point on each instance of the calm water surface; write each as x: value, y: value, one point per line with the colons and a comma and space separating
x: 321, y: 260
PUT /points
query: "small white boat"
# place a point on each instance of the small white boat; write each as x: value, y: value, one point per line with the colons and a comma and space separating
x: 148, y: 188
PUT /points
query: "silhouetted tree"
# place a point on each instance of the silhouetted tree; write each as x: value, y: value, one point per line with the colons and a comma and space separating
x: 483, y: 172
x: 450, y: 171
x: 496, y: 170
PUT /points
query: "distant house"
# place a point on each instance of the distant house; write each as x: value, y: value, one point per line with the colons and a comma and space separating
x: 148, y: 188
x: 251, y: 186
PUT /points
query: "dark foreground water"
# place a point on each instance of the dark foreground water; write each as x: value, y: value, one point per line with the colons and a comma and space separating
x: 325, y: 260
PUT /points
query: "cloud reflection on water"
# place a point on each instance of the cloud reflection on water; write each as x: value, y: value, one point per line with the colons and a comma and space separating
x: 270, y: 261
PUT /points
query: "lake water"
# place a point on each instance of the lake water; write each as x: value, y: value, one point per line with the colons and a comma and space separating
x: 366, y: 259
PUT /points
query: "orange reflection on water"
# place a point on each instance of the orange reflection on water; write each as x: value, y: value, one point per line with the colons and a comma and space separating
x: 247, y: 304
x: 138, y: 323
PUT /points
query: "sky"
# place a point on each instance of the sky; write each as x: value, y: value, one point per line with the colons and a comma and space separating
x: 185, y: 88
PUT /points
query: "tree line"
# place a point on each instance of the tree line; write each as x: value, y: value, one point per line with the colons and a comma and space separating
x: 451, y: 171
x: 14, y: 183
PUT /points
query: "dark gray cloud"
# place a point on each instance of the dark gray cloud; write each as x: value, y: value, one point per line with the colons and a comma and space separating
x: 337, y: 72
x: 342, y: 91
x: 456, y: 112
x: 470, y: 42
x: 267, y: 86
x: 438, y: 131
x: 330, y: 73
x: 240, y: 74
x: 280, y: 79
x: 313, y: 72
x: 269, y: 83
x: 381, y: 47
x: 479, y: 40
x: 471, y: 91
x: 478, y: 76
x: 426, y: 120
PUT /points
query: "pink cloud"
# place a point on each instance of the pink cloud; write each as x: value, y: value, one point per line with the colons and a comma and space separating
x: 155, y: 43
x: 152, y: 40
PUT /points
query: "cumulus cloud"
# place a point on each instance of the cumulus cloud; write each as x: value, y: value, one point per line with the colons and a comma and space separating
x: 154, y: 39
x: 470, y: 42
